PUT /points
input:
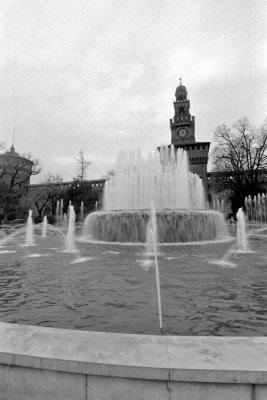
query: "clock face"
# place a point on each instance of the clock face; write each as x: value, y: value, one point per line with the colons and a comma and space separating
x: 182, y: 132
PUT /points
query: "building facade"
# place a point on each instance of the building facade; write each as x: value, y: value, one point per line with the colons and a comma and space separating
x: 15, y: 173
x: 49, y: 193
x: 16, y: 167
x: 183, y: 135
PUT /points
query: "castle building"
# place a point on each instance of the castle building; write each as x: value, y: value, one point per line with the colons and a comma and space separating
x: 58, y: 188
x: 183, y: 135
x: 15, y: 172
x: 16, y: 167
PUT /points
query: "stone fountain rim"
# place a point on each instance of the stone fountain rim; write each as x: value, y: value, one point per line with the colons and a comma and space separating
x: 222, y: 239
x: 177, y: 210
x: 147, y: 357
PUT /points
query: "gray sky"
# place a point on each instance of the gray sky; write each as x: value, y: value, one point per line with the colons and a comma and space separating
x: 100, y: 75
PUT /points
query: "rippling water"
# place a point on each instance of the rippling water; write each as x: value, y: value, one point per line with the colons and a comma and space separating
x: 105, y: 288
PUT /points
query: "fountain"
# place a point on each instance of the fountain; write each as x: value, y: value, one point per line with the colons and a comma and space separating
x: 70, y: 237
x: 241, y: 232
x: 178, y: 196
x: 44, y: 228
x: 82, y: 212
x: 83, y: 289
x: 256, y: 208
x: 29, y: 230
x: 151, y: 248
x: 64, y: 222
x: 57, y: 211
x: 241, y: 244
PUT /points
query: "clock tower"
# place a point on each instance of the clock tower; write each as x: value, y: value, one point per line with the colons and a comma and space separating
x: 183, y: 135
x: 182, y: 125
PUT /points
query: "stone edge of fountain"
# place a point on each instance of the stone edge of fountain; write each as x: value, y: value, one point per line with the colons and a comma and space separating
x: 222, y: 239
x: 100, y: 365
x: 178, y: 210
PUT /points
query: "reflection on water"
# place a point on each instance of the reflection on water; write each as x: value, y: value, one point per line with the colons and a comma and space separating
x: 105, y: 288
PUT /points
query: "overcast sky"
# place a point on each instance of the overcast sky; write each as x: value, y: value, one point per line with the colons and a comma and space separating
x: 100, y: 75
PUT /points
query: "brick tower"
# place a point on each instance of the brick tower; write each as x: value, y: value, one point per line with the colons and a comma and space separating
x: 183, y: 135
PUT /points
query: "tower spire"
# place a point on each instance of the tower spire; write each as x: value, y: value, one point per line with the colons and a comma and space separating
x: 12, y: 148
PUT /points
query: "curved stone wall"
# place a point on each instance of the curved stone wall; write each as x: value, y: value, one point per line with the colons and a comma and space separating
x: 48, y: 363
x: 173, y: 225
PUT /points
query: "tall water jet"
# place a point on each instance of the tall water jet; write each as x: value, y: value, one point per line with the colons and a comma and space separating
x: 241, y: 232
x: 151, y: 248
x: 57, y: 211
x: 65, y: 222
x: 70, y: 237
x: 264, y: 207
x: 256, y: 208
x: 44, y: 227
x: 82, y: 212
x: 61, y: 211
x: 178, y: 196
x: 241, y: 244
x: 163, y: 177
x: 29, y: 230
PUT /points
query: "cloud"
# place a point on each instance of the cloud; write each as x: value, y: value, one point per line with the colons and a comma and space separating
x: 101, y: 75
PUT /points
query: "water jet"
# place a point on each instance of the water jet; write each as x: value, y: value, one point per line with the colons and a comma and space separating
x: 241, y: 232
x: 44, y: 228
x: 70, y: 237
x: 29, y: 240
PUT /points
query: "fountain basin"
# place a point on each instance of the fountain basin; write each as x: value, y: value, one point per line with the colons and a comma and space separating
x: 48, y: 363
x: 173, y: 225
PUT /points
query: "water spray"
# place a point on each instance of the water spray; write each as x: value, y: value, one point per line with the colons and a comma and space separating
x: 241, y: 232
x: 152, y: 248
x: 70, y: 238
x: 44, y: 230
x: 29, y: 230
x: 82, y: 212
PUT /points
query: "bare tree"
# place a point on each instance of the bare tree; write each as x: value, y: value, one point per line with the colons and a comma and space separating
x: 45, y: 195
x: 239, y: 159
x: 15, y: 173
x: 110, y: 174
x: 83, y: 165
